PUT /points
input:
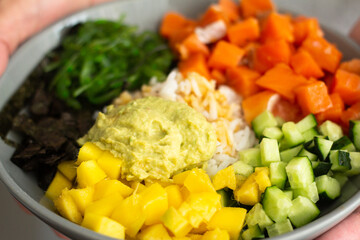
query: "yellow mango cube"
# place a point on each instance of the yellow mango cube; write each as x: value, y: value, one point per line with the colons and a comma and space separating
x: 89, y: 173
x: 185, y: 193
x: 176, y: 223
x: 155, y: 203
x: 200, y: 230
x: 56, y: 186
x: 248, y: 193
x: 174, y: 196
x: 105, y: 206
x: 216, y: 234
x: 198, y: 181
x: 107, y: 187
x: 225, y: 178
x: 240, y: 179
x: 68, y: 169
x: 193, y: 217
x: 154, y: 232
x: 180, y: 177
x: 205, y: 203
x: 83, y: 197
x: 129, y: 213
x: 137, y: 187
x: 224, y: 219
x: 194, y: 236
x: 89, y: 151
x: 262, y: 178
x: 103, y: 225
x: 110, y: 164
x: 67, y: 208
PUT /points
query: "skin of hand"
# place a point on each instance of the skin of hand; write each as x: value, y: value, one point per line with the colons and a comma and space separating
x: 19, y: 19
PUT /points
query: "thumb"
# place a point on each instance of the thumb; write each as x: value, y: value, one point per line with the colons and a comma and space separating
x: 4, y: 57
x: 355, y: 32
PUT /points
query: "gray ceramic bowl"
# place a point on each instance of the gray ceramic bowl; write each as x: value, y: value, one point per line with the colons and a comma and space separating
x: 147, y: 15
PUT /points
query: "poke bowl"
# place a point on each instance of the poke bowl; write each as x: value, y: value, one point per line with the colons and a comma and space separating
x: 148, y: 15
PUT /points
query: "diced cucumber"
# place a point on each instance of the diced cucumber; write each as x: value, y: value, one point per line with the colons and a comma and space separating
x: 269, y: 150
x: 343, y: 143
x: 321, y: 168
x: 289, y: 194
x: 279, y: 228
x: 290, y: 153
x: 253, y: 232
x: 355, y: 164
x: 331, y: 129
x: 292, y: 135
x: 242, y: 168
x: 262, y: 121
x: 306, y: 153
x: 309, y: 191
x: 226, y: 198
x: 280, y: 121
x: 354, y: 133
x: 273, y: 133
x: 322, y: 147
x: 278, y: 174
x: 257, y: 216
x: 299, y: 172
x: 328, y: 187
x: 340, y: 160
x: 276, y: 204
x: 310, y: 134
x: 306, y: 123
x: 303, y: 211
x: 250, y: 156
x: 341, y: 178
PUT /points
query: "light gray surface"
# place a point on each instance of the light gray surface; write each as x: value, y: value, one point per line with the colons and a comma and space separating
x: 339, y: 15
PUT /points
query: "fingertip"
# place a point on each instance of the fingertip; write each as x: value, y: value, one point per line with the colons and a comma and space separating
x: 4, y: 57
x: 355, y: 32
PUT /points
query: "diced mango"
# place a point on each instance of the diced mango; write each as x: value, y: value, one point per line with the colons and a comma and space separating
x: 89, y: 173
x: 138, y: 187
x: 83, y: 197
x: 198, y: 181
x: 192, y: 216
x: 262, y: 178
x: 155, y: 203
x: 103, y: 225
x: 225, y: 178
x: 67, y: 207
x: 68, y: 169
x: 176, y: 223
x: 200, y: 230
x: 194, y: 236
x: 110, y: 164
x: 129, y: 213
x: 248, y: 193
x: 154, y: 232
x: 205, y: 203
x: 104, y: 206
x: 174, y: 196
x: 240, y: 179
x: 216, y: 234
x: 56, y: 186
x: 230, y: 219
x: 89, y: 151
x: 185, y: 193
x: 107, y: 187
x: 180, y: 177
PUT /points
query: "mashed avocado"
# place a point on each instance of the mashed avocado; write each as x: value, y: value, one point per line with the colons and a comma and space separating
x: 154, y: 137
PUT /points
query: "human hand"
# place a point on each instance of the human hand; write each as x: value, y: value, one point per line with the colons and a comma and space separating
x: 19, y: 19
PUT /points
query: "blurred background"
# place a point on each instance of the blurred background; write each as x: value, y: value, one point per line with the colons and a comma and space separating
x: 339, y: 15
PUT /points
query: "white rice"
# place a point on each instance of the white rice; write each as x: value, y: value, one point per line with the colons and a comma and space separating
x: 221, y: 107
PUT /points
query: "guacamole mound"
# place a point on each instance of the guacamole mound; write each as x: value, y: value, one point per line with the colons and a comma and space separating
x: 154, y: 137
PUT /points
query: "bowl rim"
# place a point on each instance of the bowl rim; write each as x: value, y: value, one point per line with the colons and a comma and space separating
x: 62, y: 225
